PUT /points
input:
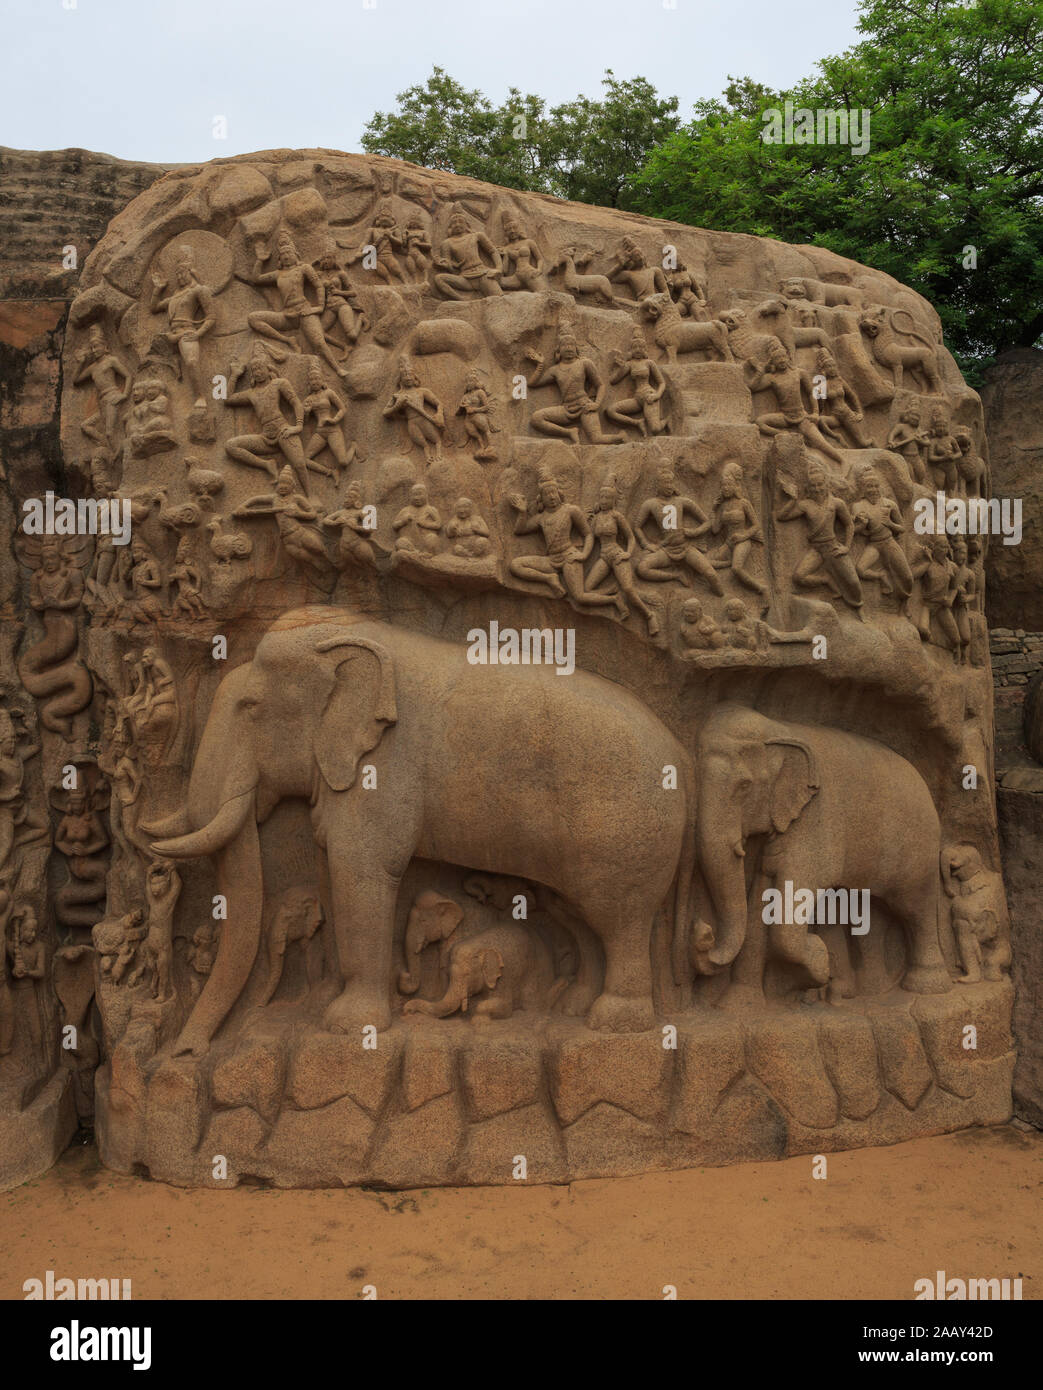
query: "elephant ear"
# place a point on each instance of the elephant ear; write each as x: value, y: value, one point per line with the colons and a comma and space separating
x: 794, y: 785
x: 491, y: 967
x: 360, y: 706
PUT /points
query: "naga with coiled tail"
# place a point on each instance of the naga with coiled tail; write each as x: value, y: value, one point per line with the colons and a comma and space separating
x: 82, y: 838
x: 51, y: 669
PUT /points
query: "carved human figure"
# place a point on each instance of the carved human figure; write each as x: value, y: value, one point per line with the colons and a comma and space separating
x: 642, y: 410
x: 82, y: 838
x: 840, y: 410
x: 420, y: 409
x: 324, y: 405
x: 297, y: 521
x: 29, y: 970
x: 342, y: 306
x: 673, y: 552
x: 468, y: 262
x: 186, y: 580
x: 909, y: 440
x: 19, y: 824
x: 418, y: 526
x: 120, y: 765
x: 830, y: 530
x: 970, y: 465
x: 110, y: 380
x: 978, y: 914
x: 116, y: 940
x: 879, y: 519
x: 616, y: 542
x: 937, y: 575
x: 468, y: 531
x: 689, y: 294
x: 379, y: 246
x: 631, y: 267
x: 520, y: 257
x: 190, y: 312
x: 150, y: 429
x: 146, y: 582
x: 293, y: 281
x: 699, y: 631
x: 560, y: 569
x: 266, y: 395
x: 582, y: 392
x: 476, y: 407
x: 298, y: 916
x: 966, y: 583
x: 794, y: 394
x: 416, y: 250
x: 200, y: 956
x: 943, y: 453
x: 735, y: 520
x: 738, y: 629
x: 358, y: 544
x: 162, y: 890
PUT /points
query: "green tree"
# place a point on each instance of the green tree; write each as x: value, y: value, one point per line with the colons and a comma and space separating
x: 955, y: 161
x: 583, y: 149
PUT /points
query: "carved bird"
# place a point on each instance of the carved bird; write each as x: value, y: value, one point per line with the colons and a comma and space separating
x: 203, y: 483
x: 237, y: 546
x: 180, y: 515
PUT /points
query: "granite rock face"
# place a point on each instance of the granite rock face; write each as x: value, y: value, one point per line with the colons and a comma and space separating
x: 1013, y: 403
x: 523, y: 614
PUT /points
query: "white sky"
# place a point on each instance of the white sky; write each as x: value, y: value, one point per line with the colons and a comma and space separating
x: 144, y: 79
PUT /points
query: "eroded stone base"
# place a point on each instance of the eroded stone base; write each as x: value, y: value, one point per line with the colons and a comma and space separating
x: 32, y: 1138
x: 457, y: 1103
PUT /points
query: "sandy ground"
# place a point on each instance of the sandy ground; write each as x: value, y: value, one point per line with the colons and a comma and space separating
x: 968, y: 1203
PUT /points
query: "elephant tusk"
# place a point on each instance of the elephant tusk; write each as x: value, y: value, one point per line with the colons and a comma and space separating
x: 212, y: 836
x: 738, y: 850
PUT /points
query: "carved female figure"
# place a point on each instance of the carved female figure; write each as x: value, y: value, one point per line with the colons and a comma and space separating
x: 615, y: 540
x: 733, y: 515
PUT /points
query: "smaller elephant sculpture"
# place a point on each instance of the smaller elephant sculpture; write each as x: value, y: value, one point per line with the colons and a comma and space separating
x: 432, y: 918
x: 504, y: 969
x: 978, y: 914
x: 298, y: 917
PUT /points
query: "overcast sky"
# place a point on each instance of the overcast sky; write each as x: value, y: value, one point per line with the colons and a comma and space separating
x: 145, y: 79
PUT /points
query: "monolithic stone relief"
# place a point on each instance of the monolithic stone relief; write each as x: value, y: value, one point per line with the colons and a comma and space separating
x: 521, y: 598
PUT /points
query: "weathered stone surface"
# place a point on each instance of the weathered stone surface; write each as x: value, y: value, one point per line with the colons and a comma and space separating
x: 387, y: 387
x: 783, y: 1053
x: 326, y: 1066
x: 848, y: 1047
x: 906, y: 1070
x: 1013, y: 402
x: 626, y: 1072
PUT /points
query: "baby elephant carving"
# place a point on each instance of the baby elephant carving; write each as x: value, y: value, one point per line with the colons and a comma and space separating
x: 431, y: 918
x: 504, y: 969
x: 298, y: 917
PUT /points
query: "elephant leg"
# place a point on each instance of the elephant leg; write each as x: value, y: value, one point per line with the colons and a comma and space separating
x: 841, y: 973
x: 747, y: 971
x: 625, y: 1004
x: 917, y: 909
x: 363, y: 927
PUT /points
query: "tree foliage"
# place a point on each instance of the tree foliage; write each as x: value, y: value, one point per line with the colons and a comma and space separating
x: 953, y: 175
x: 586, y: 149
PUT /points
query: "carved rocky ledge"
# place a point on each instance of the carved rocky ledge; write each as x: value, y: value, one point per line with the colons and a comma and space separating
x: 456, y: 1103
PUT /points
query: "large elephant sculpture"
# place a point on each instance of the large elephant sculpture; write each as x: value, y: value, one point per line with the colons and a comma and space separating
x: 499, y: 769
x: 836, y: 811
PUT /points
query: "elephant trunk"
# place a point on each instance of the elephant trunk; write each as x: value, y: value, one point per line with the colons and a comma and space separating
x: 239, y: 882
x: 409, y: 979
x: 723, y: 863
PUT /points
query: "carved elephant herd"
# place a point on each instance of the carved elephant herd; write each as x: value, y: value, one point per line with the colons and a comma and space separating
x: 405, y: 750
